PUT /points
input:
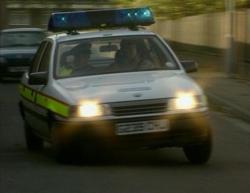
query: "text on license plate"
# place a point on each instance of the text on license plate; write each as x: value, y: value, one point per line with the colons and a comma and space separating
x: 130, y: 128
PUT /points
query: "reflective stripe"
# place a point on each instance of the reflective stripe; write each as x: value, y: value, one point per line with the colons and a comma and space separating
x: 44, y: 101
x: 53, y: 105
x: 27, y: 93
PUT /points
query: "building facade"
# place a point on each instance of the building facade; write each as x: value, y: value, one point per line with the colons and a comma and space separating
x: 35, y: 13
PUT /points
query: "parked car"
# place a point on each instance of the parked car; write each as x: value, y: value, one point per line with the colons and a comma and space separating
x: 17, y: 48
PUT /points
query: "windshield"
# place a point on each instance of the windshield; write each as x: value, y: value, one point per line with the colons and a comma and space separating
x: 112, y: 55
x: 15, y: 39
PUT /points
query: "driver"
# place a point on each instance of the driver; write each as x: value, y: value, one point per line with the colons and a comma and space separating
x: 81, y: 62
x: 130, y: 58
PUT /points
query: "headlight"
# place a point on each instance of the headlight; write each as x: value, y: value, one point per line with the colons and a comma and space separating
x: 186, y: 101
x: 92, y: 109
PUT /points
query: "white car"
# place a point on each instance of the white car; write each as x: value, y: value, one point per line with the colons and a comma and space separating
x: 112, y: 88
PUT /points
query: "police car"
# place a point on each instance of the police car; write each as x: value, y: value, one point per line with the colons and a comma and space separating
x: 105, y: 81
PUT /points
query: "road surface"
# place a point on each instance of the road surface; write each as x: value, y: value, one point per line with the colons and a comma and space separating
x: 160, y: 171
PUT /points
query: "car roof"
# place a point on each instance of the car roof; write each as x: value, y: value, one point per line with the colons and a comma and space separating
x: 99, y: 33
x: 23, y: 30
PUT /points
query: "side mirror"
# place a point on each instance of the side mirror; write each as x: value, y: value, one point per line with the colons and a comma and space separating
x: 38, y: 78
x: 189, y: 66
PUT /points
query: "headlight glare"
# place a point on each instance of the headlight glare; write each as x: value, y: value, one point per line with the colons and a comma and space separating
x: 186, y: 101
x: 90, y: 109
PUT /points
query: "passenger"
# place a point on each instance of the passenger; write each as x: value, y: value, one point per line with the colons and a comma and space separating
x: 81, y: 63
x: 130, y: 58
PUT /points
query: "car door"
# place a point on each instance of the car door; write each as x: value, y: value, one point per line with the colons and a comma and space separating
x: 37, y: 116
x: 42, y: 112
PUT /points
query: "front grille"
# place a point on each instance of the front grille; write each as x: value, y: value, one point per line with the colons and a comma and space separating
x: 139, y: 107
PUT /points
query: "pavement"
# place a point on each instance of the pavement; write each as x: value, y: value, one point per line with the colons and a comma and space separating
x: 227, y: 94
x: 230, y: 94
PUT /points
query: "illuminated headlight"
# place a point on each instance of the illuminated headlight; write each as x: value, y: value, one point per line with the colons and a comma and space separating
x: 186, y: 101
x: 92, y: 109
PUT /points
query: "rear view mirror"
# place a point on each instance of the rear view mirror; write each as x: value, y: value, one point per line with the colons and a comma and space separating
x: 189, y: 66
x: 38, y: 78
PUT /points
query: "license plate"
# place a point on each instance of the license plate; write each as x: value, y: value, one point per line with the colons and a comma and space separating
x: 151, y: 126
x: 18, y: 69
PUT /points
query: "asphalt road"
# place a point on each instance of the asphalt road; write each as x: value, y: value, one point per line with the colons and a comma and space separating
x: 161, y: 171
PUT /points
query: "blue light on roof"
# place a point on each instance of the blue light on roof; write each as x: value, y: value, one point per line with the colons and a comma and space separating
x: 69, y: 21
x: 147, y: 13
x: 137, y: 16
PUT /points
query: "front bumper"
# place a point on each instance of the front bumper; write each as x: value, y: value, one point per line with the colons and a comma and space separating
x: 184, y: 129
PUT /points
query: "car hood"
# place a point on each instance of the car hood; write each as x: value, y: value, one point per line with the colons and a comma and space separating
x: 17, y: 50
x: 128, y: 86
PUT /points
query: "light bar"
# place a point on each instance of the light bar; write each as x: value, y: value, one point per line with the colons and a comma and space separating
x: 70, y: 21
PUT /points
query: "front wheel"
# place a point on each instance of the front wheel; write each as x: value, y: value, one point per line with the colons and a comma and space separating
x: 33, y: 142
x: 71, y: 147
x: 200, y: 152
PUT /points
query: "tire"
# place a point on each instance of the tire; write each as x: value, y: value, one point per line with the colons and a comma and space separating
x: 61, y: 147
x: 62, y: 153
x: 71, y: 149
x: 89, y: 152
x: 199, y: 153
x: 1, y: 80
x: 33, y: 142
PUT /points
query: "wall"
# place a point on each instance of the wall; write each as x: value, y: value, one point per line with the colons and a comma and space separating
x: 20, y: 13
x: 211, y: 33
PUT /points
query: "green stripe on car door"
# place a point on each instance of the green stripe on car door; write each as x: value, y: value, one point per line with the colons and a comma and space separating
x: 44, y: 101
x: 53, y: 105
x: 27, y: 93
